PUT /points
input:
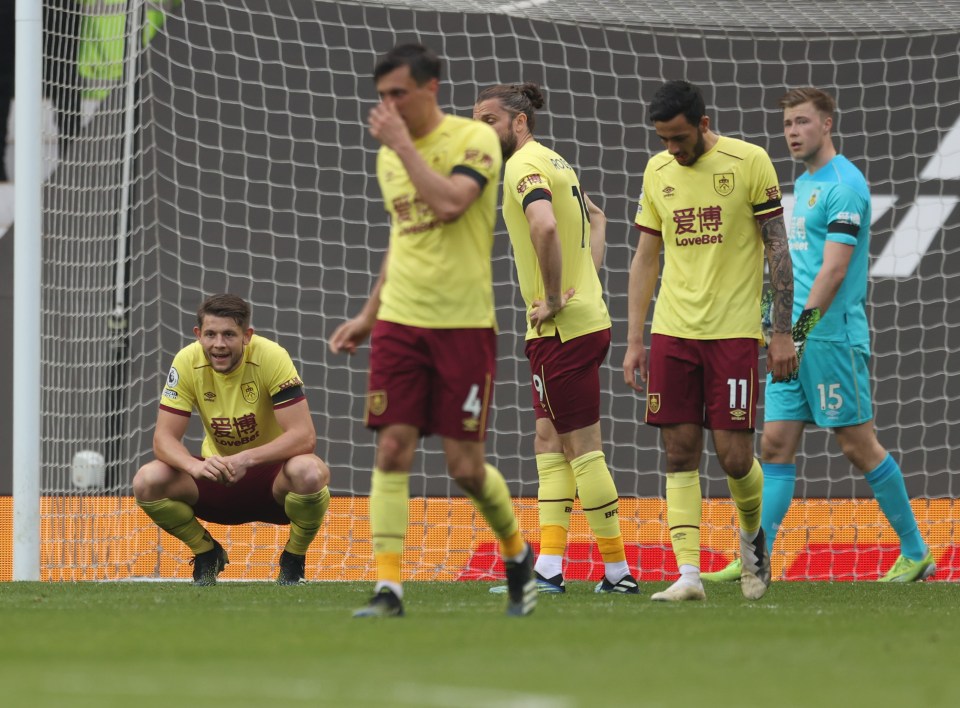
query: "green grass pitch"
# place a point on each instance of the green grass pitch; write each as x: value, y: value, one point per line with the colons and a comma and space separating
x: 256, y: 644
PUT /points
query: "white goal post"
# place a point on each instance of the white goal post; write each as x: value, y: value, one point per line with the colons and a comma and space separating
x: 232, y: 155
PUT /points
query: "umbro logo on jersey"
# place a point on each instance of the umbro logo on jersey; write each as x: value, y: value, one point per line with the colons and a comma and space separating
x: 668, y: 192
x: 209, y: 396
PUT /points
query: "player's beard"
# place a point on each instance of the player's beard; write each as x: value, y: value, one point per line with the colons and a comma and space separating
x: 508, y: 144
x: 699, y: 148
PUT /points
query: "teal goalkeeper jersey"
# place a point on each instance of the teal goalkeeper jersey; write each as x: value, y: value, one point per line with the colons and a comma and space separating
x: 833, y: 204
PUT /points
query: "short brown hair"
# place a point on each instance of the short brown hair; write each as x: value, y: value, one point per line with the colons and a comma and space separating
x: 820, y: 99
x: 230, y: 306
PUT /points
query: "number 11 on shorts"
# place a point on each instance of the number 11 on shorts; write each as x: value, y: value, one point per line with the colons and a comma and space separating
x: 735, y: 385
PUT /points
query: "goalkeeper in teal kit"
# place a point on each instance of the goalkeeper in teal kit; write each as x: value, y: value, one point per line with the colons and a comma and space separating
x: 829, y: 237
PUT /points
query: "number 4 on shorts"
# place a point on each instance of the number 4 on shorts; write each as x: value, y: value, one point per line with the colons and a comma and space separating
x: 473, y: 405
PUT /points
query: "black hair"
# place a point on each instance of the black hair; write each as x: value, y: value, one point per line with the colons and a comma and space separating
x: 423, y: 62
x: 675, y: 98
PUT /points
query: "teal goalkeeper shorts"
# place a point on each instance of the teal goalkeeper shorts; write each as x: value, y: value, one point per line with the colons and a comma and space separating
x: 832, y: 390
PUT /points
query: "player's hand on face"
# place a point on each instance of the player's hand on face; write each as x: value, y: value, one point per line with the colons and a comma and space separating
x: 782, y: 361
x: 541, y: 311
x: 634, y: 365
x: 349, y: 335
x: 387, y: 126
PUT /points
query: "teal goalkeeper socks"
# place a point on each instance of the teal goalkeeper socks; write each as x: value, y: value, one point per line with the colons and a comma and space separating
x: 886, y: 481
x: 778, y: 484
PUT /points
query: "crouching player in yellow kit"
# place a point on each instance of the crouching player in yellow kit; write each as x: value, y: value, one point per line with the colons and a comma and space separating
x: 258, y: 462
x: 558, y: 240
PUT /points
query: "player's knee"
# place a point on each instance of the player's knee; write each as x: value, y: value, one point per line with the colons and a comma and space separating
x: 736, y: 464
x: 467, y: 475
x: 394, y: 453
x: 772, y: 449
x: 150, y: 482
x: 682, y: 460
x: 307, y: 474
x: 543, y: 445
x: 323, y: 473
x: 865, y: 455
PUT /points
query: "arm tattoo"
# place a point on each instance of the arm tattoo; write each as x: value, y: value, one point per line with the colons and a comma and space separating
x: 774, y: 233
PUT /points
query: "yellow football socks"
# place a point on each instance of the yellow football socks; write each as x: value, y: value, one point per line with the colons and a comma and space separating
x: 683, y: 516
x: 601, y: 506
x: 177, y: 519
x: 305, y: 512
x: 389, y: 515
x: 598, y: 494
x: 747, y: 494
x: 495, y: 505
x: 555, y: 496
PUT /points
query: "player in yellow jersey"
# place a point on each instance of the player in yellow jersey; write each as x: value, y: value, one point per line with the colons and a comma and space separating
x: 433, y: 343
x: 712, y: 205
x: 257, y: 459
x: 558, y: 241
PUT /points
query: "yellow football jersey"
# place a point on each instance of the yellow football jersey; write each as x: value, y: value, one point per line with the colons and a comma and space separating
x: 537, y: 172
x: 707, y: 216
x: 237, y: 409
x: 439, y: 275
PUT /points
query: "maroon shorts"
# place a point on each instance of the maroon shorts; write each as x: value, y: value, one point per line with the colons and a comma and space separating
x: 438, y: 380
x: 566, y: 378
x: 713, y: 382
x: 250, y: 499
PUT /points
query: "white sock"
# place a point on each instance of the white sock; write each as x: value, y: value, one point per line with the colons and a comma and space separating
x: 749, y: 536
x: 549, y: 565
x: 690, y: 574
x: 615, y: 572
x: 397, y: 588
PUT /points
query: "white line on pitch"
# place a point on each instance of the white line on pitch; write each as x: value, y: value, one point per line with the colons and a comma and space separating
x: 431, y: 695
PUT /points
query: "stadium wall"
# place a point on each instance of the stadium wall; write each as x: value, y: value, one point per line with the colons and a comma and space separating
x: 835, y: 540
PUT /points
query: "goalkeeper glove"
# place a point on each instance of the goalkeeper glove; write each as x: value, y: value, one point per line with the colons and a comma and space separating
x: 805, y: 323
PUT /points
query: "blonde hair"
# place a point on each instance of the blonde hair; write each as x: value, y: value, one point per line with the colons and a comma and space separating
x: 820, y: 99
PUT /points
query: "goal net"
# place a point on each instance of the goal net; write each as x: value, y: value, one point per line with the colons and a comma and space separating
x: 225, y: 149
